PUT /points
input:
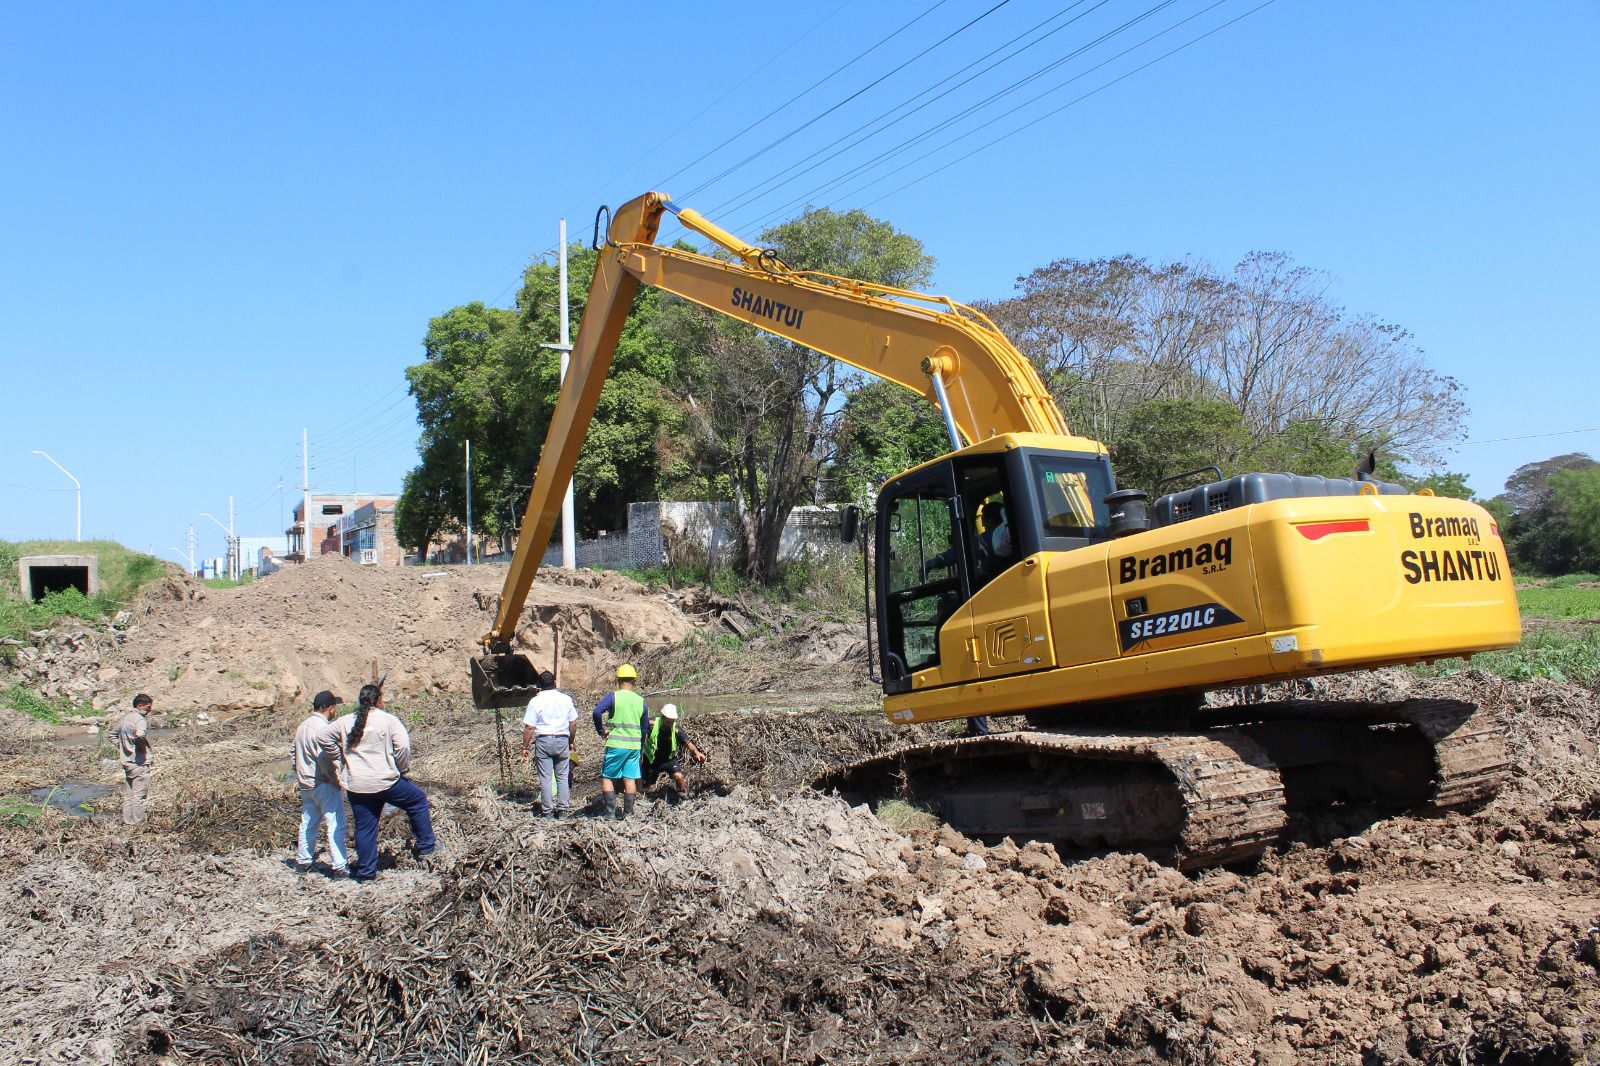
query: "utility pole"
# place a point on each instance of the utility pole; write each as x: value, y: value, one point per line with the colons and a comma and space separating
x: 191, y: 549
x: 228, y: 529
x: 469, y: 503
x: 75, y: 485
x: 565, y: 348
x: 233, y: 545
x: 305, y: 506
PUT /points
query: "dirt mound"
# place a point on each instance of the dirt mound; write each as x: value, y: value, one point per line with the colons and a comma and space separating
x: 274, y: 642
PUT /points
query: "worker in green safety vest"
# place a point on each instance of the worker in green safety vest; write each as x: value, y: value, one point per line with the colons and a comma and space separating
x: 662, y: 743
x: 622, y: 719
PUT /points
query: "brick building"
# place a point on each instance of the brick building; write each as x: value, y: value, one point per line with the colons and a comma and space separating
x: 358, y: 526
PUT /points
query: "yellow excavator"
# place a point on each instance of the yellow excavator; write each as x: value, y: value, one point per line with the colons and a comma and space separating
x: 1013, y: 577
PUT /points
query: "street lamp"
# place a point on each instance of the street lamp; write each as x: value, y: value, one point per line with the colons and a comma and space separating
x: 232, y: 548
x: 75, y: 485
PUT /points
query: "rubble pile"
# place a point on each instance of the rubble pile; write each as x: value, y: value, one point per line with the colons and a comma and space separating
x: 70, y: 663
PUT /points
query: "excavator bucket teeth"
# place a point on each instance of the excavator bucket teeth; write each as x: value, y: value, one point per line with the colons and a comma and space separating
x: 502, y: 680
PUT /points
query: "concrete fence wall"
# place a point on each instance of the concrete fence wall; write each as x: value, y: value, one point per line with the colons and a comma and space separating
x: 690, y: 532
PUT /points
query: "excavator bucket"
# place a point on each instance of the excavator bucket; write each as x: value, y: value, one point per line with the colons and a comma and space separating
x: 505, y: 680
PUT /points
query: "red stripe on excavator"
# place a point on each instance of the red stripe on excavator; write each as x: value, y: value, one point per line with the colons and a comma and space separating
x: 1318, y: 530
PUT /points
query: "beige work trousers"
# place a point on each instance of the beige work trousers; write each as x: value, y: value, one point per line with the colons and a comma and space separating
x: 137, y: 791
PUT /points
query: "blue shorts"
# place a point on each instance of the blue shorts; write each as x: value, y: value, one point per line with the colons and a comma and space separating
x: 620, y: 763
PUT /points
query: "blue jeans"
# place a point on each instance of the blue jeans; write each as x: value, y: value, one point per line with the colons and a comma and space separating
x: 319, y: 806
x: 367, y: 807
x: 554, y: 761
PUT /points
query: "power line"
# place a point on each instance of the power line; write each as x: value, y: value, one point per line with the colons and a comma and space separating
x: 360, y: 419
x: 588, y: 197
x: 32, y: 488
x: 791, y: 175
x: 1071, y: 103
x: 1525, y: 436
x: 824, y: 79
x: 830, y: 110
x: 995, y: 97
x: 883, y: 158
x: 361, y: 449
x: 701, y: 113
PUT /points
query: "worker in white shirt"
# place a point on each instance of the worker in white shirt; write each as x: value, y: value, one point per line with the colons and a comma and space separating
x: 550, y: 728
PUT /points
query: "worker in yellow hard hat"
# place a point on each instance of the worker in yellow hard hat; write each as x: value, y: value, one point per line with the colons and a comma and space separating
x: 622, y: 718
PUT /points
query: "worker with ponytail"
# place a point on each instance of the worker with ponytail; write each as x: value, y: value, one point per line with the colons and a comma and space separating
x: 377, y: 759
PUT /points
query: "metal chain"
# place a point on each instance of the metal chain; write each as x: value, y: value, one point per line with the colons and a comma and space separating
x: 501, y: 752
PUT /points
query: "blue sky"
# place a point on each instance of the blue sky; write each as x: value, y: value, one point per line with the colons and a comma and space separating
x: 221, y: 224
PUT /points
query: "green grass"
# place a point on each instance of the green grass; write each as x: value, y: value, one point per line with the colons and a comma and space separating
x: 33, y: 705
x: 228, y: 582
x: 1568, y: 580
x: 122, y: 573
x: 1554, y: 653
x: 1560, y: 601
x: 17, y: 812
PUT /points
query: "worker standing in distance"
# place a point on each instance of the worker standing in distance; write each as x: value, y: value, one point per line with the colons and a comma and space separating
x: 316, y: 771
x: 377, y: 757
x: 133, y: 750
x: 661, y: 746
x: 624, y: 735
x: 552, y: 722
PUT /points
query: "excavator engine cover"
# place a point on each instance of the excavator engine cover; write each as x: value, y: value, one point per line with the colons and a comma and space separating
x: 505, y: 680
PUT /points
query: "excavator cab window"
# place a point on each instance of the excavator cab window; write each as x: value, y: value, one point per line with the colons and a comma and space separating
x: 924, y: 577
x: 989, y: 519
x: 1069, y: 491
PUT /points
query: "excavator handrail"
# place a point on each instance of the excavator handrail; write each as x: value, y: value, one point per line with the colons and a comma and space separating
x: 955, y: 352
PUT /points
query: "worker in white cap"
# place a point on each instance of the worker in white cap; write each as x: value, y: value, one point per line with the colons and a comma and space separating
x: 662, y: 747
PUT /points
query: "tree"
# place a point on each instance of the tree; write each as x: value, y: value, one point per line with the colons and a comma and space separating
x: 1528, y: 488
x: 883, y: 428
x: 423, y: 510
x: 487, y: 377
x: 1577, y: 494
x: 1548, y: 505
x: 763, y: 409
x: 462, y: 393
x: 1443, y: 484
x: 1110, y: 335
x: 1176, y: 436
x: 637, y: 414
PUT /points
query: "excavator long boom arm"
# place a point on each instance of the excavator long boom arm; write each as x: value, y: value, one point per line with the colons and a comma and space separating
x: 929, y: 344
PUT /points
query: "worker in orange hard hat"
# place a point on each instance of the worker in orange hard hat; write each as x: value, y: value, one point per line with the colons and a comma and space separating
x: 629, y: 720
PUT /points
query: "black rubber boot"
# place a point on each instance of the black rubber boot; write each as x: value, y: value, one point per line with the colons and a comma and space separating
x: 617, y: 811
x: 627, y: 804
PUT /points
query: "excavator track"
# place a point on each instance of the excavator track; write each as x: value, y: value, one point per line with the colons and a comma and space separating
x: 1426, y: 754
x: 1206, y: 799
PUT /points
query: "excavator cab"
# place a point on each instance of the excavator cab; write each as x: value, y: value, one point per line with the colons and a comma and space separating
x: 502, y: 678
x: 949, y: 528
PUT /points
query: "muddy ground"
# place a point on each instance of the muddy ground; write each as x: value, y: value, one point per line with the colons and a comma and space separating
x: 762, y: 922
